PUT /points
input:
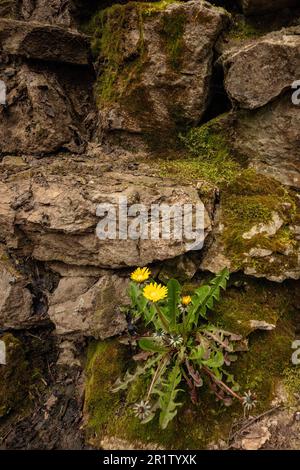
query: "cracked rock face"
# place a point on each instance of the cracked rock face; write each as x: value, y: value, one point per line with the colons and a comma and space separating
x: 57, y: 215
x: 90, y: 307
x: 47, y: 105
x: 168, y: 55
x: 16, y: 309
x: 45, y: 109
x: 42, y: 11
x: 258, y: 78
x: 248, y: 82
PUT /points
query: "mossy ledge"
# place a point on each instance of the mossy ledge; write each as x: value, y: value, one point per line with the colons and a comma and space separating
x: 110, y: 415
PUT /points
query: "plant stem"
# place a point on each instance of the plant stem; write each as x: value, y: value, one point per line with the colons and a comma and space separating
x: 164, y: 322
x: 222, y: 384
x: 156, y: 375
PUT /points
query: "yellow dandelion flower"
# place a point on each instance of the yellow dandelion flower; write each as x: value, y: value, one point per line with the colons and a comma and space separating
x: 141, y: 274
x: 186, y: 300
x: 155, y: 292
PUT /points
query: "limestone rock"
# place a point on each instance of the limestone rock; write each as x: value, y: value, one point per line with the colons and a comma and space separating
x: 269, y: 138
x: 42, y: 11
x: 270, y: 229
x: 168, y: 55
x: 262, y: 69
x: 256, y: 438
x: 43, y: 42
x: 261, y: 325
x: 46, y: 108
x: 2, y: 353
x: 89, y: 307
x: 48, y: 11
x: 254, y: 232
x: 15, y: 298
x: 259, y: 75
x: 57, y: 214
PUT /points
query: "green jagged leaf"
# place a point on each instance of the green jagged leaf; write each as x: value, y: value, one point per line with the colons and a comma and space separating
x: 167, y: 396
x: 205, y: 296
x: 173, y: 301
x: 138, y: 301
x: 152, y: 345
x: 215, y: 361
x: 197, y: 353
x: 149, y: 315
x: 130, y: 378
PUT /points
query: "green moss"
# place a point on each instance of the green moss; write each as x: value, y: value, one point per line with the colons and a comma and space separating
x: 14, y: 376
x: 209, y: 158
x: 173, y: 26
x: 292, y: 383
x: 111, y: 414
x: 254, y: 300
x: 109, y: 30
x: 195, y: 426
x: 105, y: 363
x: 244, y: 29
x: 259, y: 370
x: 252, y: 199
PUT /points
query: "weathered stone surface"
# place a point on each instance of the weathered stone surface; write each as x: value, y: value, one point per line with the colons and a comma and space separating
x: 48, y: 11
x: 46, y: 108
x: 258, y: 78
x: 43, y: 11
x: 90, y: 307
x: 270, y: 138
x: 55, y: 208
x: 167, y: 53
x: 260, y: 6
x: 254, y: 231
x: 261, y: 70
x: 15, y: 298
x: 43, y: 42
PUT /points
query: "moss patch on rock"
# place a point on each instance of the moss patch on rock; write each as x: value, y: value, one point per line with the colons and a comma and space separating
x: 109, y: 28
x: 248, y: 299
x: 253, y: 199
x: 173, y: 26
x: 196, y: 426
x: 209, y: 157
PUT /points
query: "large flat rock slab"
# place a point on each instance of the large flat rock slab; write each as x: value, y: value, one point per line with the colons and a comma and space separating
x: 56, y: 210
x: 43, y: 42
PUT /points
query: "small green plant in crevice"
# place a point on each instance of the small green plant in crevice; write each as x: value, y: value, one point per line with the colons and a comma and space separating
x: 180, y: 349
x: 209, y: 157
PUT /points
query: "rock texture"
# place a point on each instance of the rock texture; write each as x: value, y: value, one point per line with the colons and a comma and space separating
x: 92, y: 120
x: 48, y: 105
x: 16, y: 309
x: 90, y: 307
x: 57, y: 214
x: 44, y: 11
x: 155, y: 67
x: 258, y: 78
x: 252, y: 85
x: 43, y: 42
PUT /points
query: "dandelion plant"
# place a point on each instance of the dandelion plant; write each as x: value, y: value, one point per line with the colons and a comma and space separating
x: 181, y: 349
